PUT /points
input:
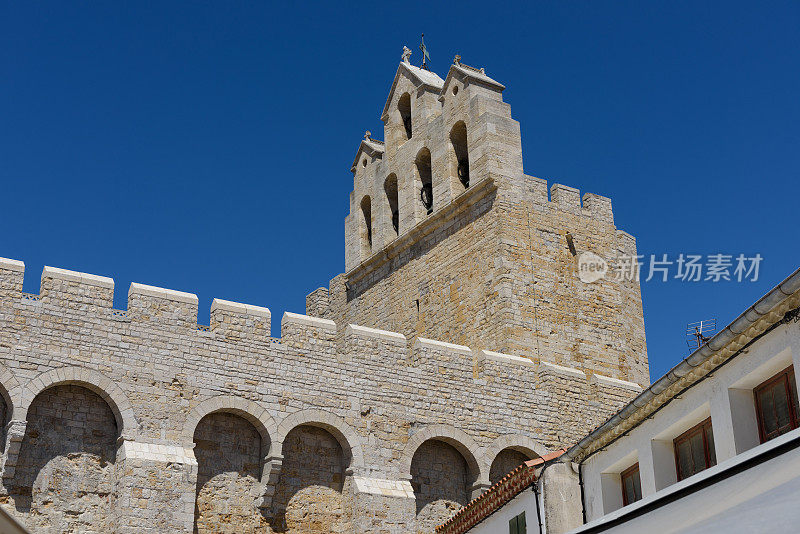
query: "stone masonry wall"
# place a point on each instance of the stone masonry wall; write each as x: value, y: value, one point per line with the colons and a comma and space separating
x: 309, y: 495
x: 377, y: 394
x: 228, y: 452
x: 439, y: 476
x: 491, y: 266
x: 65, y: 471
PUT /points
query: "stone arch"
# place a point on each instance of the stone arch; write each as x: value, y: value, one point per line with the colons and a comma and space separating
x: 10, y: 390
x: 404, y: 108
x: 518, y: 442
x: 247, y: 409
x: 338, y: 428
x: 459, y: 157
x: 318, y: 452
x: 94, y: 381
x: 458, y: 439
x: 526, y: 446
x: 444, y: 473
x: 423, y: 168
x: 63, y: 475
x: 230, y: 488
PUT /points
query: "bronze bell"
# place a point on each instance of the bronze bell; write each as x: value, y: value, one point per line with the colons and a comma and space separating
x: 463, y: 173
x: 426, y: 196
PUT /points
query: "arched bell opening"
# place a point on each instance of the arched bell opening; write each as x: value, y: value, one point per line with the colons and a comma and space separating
x: 460, y: 153
x: 404, y: 107
x: 390, y: 188
x: 425, y: 177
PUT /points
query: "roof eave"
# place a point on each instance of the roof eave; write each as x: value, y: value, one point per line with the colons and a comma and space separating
x: 418, y: 84
x: 368, y: 150
x: 761, y: 308
x: 473, y: 78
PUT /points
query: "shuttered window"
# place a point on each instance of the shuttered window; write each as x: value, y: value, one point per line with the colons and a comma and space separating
x: 776, y: 405
x: 631, y: 485
x: 517, y: 525
x: 694, y: 450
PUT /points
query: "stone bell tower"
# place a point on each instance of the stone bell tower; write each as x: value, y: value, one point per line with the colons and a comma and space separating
x: 448, y: 238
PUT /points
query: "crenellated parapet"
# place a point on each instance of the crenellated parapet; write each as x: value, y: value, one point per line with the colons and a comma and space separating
x: 166, y: 306
x: 563, y: 198
x: 459, y: 342
x: 76, y: 289
x: 11, y: 275
x: 235, y: 323
x: 235, y: 320
x: 380, y: 394
x: 448, y: 238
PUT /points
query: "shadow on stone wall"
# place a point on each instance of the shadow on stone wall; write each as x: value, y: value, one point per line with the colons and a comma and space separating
x: 422, y: 247
x: 228, y: 451
x: 505, y: 462
x: 309, y: 496
x: 65, y: 472
x: 439, y: 475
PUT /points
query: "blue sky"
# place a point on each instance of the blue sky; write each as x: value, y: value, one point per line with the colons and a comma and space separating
x: 205, y: 147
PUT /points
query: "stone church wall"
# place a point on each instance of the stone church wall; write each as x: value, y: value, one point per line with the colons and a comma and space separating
x: 228, y: 452
x: 171, y: 426
x: 494, y: 263
x: 66, y: 466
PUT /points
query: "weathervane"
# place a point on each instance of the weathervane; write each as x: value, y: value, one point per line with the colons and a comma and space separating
x: 425, y: 56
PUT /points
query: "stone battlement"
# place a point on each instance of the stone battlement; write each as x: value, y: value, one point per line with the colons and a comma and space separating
x: 233, y: 322
x: 168, y: 387
x: 592, y: 207
x: 458, y: 343
x: 448, y: 238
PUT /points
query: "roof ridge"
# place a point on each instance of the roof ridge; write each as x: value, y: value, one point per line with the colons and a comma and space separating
x: 469, y: 67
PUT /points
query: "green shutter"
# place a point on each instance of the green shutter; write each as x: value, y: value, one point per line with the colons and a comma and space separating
x: 516, y: 525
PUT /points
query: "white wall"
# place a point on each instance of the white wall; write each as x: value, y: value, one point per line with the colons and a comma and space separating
x: 497, y: 523
x: 762, y: 498
x: 726, y: 396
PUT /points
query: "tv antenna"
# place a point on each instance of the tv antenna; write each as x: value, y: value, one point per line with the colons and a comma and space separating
x: 698, y: 334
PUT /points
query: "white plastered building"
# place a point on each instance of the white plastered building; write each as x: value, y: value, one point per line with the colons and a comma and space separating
x: 712, y: 446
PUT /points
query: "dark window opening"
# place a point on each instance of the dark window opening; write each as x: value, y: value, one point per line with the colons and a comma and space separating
x: 404, y: 107
x: 631, y: 485
x: 390, y: 187
x: 426, y: 179
x: 694, y: 450
x: 516, y: 525
x: 776, y: 405
x: 571, y: 244
x: 366, y: 211
x: 458, y: 138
